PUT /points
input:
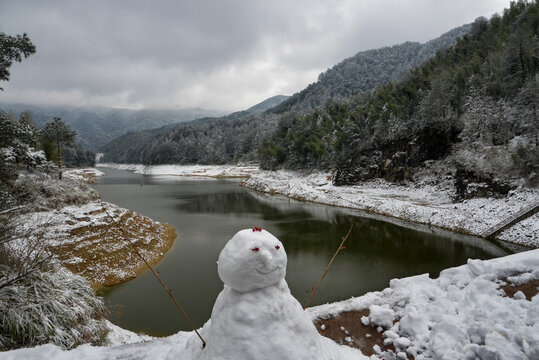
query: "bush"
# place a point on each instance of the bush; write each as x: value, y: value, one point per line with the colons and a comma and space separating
x: 40, y: 301
x: 51, y: 306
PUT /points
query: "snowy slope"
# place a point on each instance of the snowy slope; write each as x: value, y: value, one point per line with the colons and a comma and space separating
x: 215, y: 171
x: 424, y: 203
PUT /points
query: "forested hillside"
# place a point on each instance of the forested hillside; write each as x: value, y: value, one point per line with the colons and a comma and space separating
x: 97, y: 126
x: 475, y: 104
x: 366, y: 70
x: 205, y: 141
x: 237, y: 136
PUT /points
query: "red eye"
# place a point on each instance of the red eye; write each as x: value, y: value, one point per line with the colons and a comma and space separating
x: 255, y: 249
x: 277, y: 247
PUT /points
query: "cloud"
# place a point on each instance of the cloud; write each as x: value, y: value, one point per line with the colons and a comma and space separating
x: 226, y: 55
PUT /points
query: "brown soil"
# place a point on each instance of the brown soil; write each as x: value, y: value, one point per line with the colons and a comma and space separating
x: 105, y: 258
x: 364, y: 337
x: 529, y: 289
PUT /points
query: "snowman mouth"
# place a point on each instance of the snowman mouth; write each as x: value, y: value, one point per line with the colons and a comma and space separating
x: 266, y: 272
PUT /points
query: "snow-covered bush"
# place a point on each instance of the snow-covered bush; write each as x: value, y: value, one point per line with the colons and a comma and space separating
x: 40, y: 191
x: 40, y: 301
x: 47, y: 306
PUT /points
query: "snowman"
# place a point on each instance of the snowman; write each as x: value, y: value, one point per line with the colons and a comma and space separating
x: 255, y: 317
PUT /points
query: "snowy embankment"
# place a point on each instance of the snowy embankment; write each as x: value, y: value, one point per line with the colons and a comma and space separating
x: 88, y: 237
x: 463, y: 314
x: 214, y: 171
x: 87, y: 175
x: 420, y: 202
x: 84, y: 240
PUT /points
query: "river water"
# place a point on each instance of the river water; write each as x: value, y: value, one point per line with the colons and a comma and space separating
x: 207, y: 213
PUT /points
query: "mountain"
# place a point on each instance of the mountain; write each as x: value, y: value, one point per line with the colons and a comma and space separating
x: 96, y: 126
x: 237, y: 136
x: 474, y: 106
x: 267, y: 104
x: 201, y: 140
x: 366, y: 70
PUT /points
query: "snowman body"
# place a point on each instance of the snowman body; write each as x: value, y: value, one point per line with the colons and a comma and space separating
x: 255, y: 316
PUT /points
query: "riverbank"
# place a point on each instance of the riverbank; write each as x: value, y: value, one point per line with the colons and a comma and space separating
x: 88, y: 237
x: 212, y: 171
x: 429, y: 203
x: 477, y: 310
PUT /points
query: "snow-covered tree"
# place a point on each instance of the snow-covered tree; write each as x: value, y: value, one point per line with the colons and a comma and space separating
x: 61, y: 134
x: 13, y: 48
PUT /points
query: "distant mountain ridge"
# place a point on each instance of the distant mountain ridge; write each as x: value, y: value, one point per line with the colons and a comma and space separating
x: 238, y: 136
x: 97, y: 126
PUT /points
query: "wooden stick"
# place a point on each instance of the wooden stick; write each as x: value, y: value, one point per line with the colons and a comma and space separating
x: 169, y: 292
x: 329, y: 265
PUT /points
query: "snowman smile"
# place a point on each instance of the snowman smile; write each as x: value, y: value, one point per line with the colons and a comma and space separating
x: 266, y: 272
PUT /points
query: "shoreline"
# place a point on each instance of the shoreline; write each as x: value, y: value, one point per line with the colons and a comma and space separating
x: 209, y: 171
x: 427, y: 202
x: 84, y: 241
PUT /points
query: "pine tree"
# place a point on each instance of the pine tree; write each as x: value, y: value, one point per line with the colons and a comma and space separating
x: 61, y: 134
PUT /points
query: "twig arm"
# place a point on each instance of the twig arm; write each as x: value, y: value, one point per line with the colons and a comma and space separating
x: 329, y: 265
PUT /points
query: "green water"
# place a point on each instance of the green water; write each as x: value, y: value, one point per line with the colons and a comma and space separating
x: 207, y: 213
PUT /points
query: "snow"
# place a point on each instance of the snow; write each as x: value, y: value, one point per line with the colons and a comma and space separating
x: 381, y: 315
x: 463, y: 314
x: 255, y: 316
x: 119, y: 336
x: 215, y: 171
x: 252, y: 260
x: 426, y: 202
x: 460, y: 315
x: 81, y: 235
x: 86, y: 174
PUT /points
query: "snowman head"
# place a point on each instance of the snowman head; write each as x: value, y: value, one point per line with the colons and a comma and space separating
x: 252, y: 259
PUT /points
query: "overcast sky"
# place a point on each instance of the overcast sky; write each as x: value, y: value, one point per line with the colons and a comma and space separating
x: 222, y: 55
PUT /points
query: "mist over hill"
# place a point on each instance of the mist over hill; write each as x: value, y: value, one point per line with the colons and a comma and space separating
x: 205, y: 140
x: 237, y: 136
x: 96, y: 126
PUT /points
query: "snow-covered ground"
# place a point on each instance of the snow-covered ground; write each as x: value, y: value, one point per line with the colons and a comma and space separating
x: 215, y: 171
x: 463, y: 314
x: 86, y: 174
x: 421, y: 202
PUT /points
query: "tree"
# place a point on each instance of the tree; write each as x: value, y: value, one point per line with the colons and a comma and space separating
x: 13, y: 48
x: 62, y: 135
